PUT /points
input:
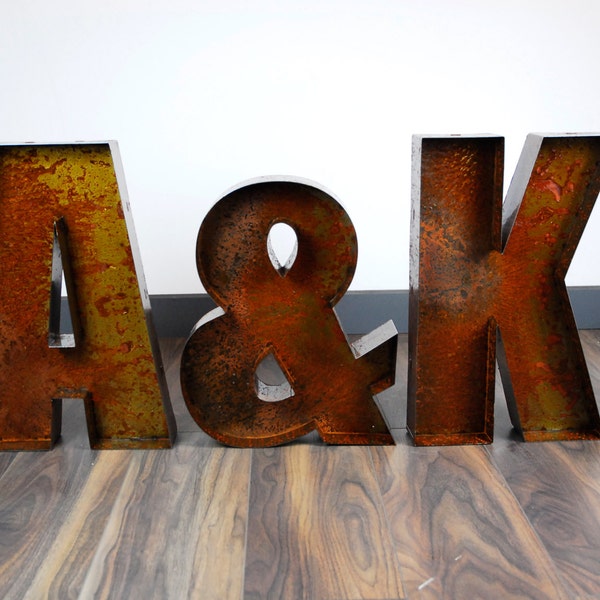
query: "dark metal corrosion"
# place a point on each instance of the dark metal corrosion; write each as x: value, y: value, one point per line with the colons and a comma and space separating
x: 283, y: 314
x: 63, y: 211
x: 475, y: 275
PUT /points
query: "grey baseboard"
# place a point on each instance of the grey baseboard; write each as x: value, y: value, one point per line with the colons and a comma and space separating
x: 585, y: 302
x: 359, y: 312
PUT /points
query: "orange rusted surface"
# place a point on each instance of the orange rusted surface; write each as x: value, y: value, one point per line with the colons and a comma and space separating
x: 287, y: 314
x: 474, y: 273
x: 115, y: 364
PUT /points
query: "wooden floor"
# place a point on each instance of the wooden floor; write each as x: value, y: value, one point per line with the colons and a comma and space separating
x: 509, y: 520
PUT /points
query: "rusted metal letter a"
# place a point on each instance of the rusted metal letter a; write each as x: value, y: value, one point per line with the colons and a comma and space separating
x: 481, y: 274
x: 64, y: 210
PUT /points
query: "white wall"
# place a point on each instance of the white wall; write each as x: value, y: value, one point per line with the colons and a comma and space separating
x: 204, y: 94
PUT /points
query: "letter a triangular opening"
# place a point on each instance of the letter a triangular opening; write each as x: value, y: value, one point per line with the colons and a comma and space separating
x: 64, y: 329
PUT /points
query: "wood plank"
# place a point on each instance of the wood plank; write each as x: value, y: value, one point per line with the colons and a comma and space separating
x: 177, y: 528
x: 457, y: 529
x: 558, y: 486
x: 317, y: 528
x: 63, y: 570
x: 38, y: 493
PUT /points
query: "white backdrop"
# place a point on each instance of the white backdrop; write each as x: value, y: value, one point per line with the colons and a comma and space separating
x: 202, y: 94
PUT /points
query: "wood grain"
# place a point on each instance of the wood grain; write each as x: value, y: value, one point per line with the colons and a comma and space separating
x: 510, y: 520
x: 5, y: 459
x: 177, y: 528
x: 457, y: 529
x: 316, y: 526
x: 38, y: 494
x: 558, y: 486
x: 63, y: 571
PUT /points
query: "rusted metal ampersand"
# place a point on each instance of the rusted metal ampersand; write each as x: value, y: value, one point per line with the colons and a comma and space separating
x: 284, y: 314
